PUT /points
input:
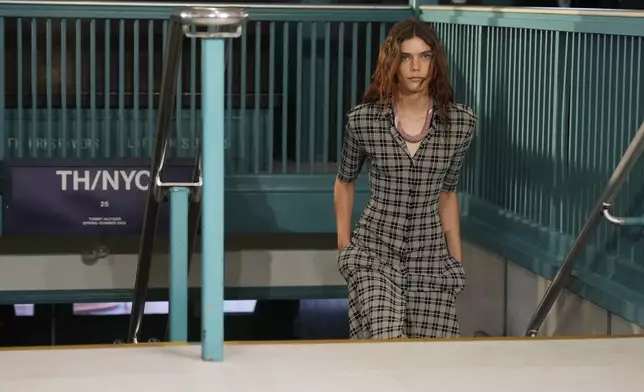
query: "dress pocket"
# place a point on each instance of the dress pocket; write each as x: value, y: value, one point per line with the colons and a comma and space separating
x: 454, y: 275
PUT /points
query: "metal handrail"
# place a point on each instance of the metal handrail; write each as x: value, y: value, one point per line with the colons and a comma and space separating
x: 179, y: 20
x: 624, y: 167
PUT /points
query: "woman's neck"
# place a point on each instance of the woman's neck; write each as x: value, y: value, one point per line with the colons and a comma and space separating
x: 416, y: 102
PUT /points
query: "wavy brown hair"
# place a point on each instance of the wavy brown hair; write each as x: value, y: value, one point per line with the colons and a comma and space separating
x: 384, y: 81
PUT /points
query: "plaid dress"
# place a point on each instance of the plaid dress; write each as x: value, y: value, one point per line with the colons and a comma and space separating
x: 401, y: 280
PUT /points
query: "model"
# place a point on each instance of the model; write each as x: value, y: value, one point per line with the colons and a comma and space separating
x: 402, y: 261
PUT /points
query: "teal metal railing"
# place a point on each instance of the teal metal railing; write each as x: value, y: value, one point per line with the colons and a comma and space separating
x: 87, y: 82
x: 560, y: 95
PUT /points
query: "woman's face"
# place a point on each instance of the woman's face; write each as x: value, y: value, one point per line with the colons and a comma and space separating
x: 415, y: 69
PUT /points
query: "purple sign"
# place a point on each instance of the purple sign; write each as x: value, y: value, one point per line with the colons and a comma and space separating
x: 78, y: 200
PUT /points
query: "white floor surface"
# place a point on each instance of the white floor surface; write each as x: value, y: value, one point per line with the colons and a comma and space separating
x: 484, y: 365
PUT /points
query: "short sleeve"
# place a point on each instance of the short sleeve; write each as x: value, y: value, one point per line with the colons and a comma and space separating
x: 352, y: 158
x: 453, y: 173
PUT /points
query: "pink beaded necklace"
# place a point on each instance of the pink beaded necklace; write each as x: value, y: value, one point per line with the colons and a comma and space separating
x: 414, y: 138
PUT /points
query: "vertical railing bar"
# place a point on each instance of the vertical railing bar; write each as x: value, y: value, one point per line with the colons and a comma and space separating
x: 92, y: 83
x: 312, y: 93
x: 471, y: 55
x: 519, y: 192
x: 271, y: 97
x: 20, y: 65
x: 478, y: 64
x: 611, y: 145
x: 33, y: 131
x: 298, y: 99
x: 164, y: 47
x: 452, y: 52
x: 627, y: 115
x: 600, y: 115
x: 530, y: 192
x: 135, y: 147
x: 367, y: 57
x: 339, y: 94
x: 624, y: 123
x: 489, y: 90
x: 639, y: 82
x: 107, y: 108
x: 257, y: 96
x: 613, y: 97
x: 583, y: 142
x: 354, y: 65
x: 285, y: 73
x: 497, y: 102
x: 50, y: 82
x: 193, y: 93
x: 151, y: 85
x: 228, y: 113
x: 542, y: 99
x: 63, y: 85
x: 515, y: 113
x: 579, y: 135
x: 557, y: 120
x: 593, y: 105
x: 121, y: 121
x: 603, y: 118
x: 78, y: 134
x: 327, y: 87
x: 178, y: 117
x: 242, y: 133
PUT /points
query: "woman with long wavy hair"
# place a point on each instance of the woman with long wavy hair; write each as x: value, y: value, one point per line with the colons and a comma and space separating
x: 402, y: 261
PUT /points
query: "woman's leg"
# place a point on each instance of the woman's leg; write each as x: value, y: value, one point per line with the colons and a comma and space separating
x: 376, y: 306
x: 432, y: 314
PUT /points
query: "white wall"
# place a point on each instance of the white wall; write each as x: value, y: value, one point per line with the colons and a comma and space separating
x: 491, y: 280
x: 243, y: 269
x: 482, y: 306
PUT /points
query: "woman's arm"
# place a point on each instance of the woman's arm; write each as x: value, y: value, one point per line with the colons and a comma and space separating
x: 464, y: 124
x: 343, y: 195
x: 449, y: 215
x: 351, y: 162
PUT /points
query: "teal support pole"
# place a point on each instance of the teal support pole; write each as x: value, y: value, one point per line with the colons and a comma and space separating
x: 212, y: 204
x: 179, y: 199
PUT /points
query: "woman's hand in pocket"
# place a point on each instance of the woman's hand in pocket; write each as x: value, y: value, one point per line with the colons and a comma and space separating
x: 343, y: 242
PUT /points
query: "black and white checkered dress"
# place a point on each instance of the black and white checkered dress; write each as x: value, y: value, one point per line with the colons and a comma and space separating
x: 402, y: 282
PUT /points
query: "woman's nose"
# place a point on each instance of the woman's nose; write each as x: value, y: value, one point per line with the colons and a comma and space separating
x: 415, y: 64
